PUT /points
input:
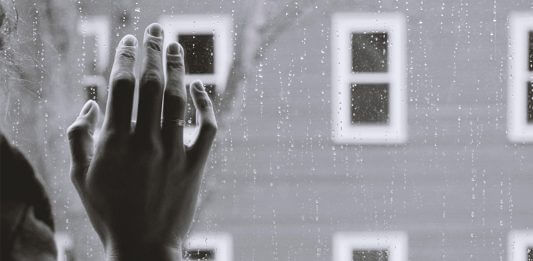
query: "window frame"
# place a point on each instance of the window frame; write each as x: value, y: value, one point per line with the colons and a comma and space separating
x: 222, y: 243
x: 343, y: 26
x: 63, y: 244
x: 97, y: 26
x: 396, y: 242
x: 221, y: 26
x: 518, y: 128
x: 519, y: 241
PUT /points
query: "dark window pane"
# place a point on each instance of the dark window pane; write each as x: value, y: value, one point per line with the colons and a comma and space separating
x: 190, y: 114
x: 91, y: 92
x: 530, y: 254
x: 369, y: 52
x: 531, y: 51
x: 370, y: 255
x: 199, y: 254
x: 199, y: 53
x: 530, y: 102
x: 370, y: 103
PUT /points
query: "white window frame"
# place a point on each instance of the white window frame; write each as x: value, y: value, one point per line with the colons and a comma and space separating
x: 97, y: 27
x: 63, y: 243
x: 396, y: 242
x: 519, y: 241
x: 221, y: 26
x: 343, y: 26
x: 222, y: 243
x: 518, y: 129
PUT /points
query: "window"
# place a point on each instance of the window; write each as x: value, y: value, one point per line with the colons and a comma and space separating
x: 368, y: 78
x: 208, y: 46
x: 520, y: 246
x: 95, y: 55
x: 520, y: 94
x: 211, y: 247
x: 370, y: 246
x: 65, y: 248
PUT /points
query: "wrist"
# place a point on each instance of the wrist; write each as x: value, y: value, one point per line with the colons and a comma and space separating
x: 136, y: 251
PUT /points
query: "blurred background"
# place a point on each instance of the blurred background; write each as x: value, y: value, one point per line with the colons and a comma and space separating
x: 382, y: 130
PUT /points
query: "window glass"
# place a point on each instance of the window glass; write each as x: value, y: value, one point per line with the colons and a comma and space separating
x: 369, y: 52
x: 530, y: 102
x: 199, y: 254
x: 371, y: 255
x: 199, y: 53
x: 370, y: 103
x: 91, y: 92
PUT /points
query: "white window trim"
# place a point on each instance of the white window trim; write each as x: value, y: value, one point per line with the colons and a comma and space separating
x: 219, y: 25
x: 63, y: 243
x: 222, y: 28
x: 519, y: 241
x: 97, y: 26
x: 343, y: 25
x: 394, y: 241
x: 518, y: 129
x: 222, y: 243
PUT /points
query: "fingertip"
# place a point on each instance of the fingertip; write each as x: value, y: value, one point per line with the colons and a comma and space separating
x: 198, y: 86
x: 173, y: 49
x: 129, y: 40
x: 90, y: 110
x: 155, y: 30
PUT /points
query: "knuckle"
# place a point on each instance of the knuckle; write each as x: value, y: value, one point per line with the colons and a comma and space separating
x: 204, y: 104
x: 126, y: 54
x: 123, y: 78
x: 152, y: 76
x: 77, y: 130
x: 175, y: 64
x: 153, y: 44
x: 175, y: 97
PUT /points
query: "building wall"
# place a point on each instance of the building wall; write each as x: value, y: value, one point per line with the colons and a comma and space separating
x: 281, y: 188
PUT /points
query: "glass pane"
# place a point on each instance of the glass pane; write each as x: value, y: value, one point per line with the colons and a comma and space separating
x: 369, y: 52
x: 91, y: 92
x: 190, y: 114
x: 531, y: 51
x: 370, y: 103
x: 370, y: 255
x: 530, y: 102
x: 199, y: 53
x: 199, y: 254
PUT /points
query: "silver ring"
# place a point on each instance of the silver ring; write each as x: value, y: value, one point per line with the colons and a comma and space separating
x: 178, y: 122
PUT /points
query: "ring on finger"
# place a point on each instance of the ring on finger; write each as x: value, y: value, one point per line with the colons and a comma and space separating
x: 179, y: 122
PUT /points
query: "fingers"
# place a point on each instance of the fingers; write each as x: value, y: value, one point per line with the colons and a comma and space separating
x: 151, y: 84
x: 120, y: 99
x: 175, y: 99
x: 80, y: 137
x: 205, y: 117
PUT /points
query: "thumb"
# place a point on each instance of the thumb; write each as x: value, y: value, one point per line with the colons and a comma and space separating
x: 80, y: 137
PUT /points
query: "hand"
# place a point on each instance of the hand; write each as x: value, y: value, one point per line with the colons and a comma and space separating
x: 139, y: 184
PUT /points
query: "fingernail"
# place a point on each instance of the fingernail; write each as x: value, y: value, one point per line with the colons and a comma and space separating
x: 199, y: 86
x: 173, y: 48
x: 129, y: 40
x: 155, y: 30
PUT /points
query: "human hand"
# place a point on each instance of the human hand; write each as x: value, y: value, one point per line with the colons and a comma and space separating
x: 139, y: 184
